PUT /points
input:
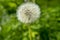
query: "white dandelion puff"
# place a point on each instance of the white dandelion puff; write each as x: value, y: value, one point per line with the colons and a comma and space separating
x: 28, y: 12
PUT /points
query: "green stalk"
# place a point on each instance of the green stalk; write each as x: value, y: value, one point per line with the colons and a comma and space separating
x: 30, y: 33
x: 33, y: 1
x: 28, y: 0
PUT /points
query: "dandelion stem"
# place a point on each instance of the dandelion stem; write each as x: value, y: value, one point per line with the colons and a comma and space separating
x: 26, y: 0
x: 33, y: 1
x: 30, y: 33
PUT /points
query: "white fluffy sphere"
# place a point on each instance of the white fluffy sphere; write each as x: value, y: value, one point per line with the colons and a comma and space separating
x: 28, y: 12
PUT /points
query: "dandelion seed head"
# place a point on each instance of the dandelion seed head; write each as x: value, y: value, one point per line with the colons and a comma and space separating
x: 28, y: 12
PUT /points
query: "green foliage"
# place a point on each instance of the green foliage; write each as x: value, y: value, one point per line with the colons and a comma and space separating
x: 47, y: 27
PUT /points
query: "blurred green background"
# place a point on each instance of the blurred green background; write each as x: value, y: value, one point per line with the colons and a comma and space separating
x: 47, y: 27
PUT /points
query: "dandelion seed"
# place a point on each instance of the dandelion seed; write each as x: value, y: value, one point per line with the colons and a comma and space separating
x: 28, y: 12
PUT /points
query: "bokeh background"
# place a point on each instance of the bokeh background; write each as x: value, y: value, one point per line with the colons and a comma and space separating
x: 47, y: 27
